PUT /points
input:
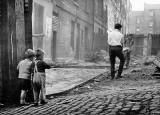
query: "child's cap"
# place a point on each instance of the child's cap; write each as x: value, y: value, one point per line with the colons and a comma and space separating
x: 29, y: 53
x: 39, y: 52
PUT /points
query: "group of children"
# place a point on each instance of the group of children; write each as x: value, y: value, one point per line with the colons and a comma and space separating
x: 32, y: 73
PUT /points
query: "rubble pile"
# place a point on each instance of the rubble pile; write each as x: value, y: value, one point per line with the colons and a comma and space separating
x: 133, y: 75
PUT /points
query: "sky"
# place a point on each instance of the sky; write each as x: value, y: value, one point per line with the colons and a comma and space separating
x: 138, y: 5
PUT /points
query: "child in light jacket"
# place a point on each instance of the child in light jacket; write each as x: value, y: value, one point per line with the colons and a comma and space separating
x: 25, y: 70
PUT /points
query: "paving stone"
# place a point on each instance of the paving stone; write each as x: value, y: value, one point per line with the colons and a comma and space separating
x: 101, y: 103
x: 118, y: 107
x: 121, y: 113
x: 136, y: 108
x: 125, y: 109
x: 155, y: 112
x: 112, y: 113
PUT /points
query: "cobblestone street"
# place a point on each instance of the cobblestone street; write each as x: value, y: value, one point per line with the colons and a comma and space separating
x: 137, y: 93
x: 80, y: 57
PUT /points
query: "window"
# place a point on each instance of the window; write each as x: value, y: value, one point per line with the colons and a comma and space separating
x: 76, y: 2
x: 38, y: 18
x: 150, y: 30
x: 137, y: 29
x: 100, y: 7
x: 150, y: 24
x: 100, y: 31
x: 150, y: 13
x: 138, y: 21
x: 86, y: 6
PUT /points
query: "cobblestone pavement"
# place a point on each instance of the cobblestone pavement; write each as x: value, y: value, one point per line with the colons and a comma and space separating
x: 138, y: 93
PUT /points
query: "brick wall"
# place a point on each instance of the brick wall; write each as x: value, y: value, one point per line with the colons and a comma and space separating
x: 147, y: 21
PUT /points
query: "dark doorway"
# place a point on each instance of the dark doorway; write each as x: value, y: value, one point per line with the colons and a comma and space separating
x: 77, y: 56
x: 53, y: 48
x: 72, y: 34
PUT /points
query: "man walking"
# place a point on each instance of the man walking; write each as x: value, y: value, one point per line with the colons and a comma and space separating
x: 115, y: 41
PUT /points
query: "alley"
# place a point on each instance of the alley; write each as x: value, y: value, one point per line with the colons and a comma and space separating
x: 80, y: 41
x: 137, y: 93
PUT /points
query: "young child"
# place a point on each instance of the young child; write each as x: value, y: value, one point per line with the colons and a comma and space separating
x: 24, y: 76
x: 39, y: 79
x: 127, y: 49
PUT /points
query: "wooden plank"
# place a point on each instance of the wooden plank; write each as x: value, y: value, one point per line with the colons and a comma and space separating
x: 20, y: 28
x: 12, y: 46
x: 4, y: 49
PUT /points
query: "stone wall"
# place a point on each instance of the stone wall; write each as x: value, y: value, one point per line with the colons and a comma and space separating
x: 76, y: 30
x: 12, y: 47
x: 42, y: 26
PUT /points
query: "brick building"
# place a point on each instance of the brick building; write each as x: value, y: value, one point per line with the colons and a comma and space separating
x: 75, y: 31
x: 81, y: 28
x: 146, y: 24
x: 78, y: 26
x: 68, y: 29
x: 147, y: 21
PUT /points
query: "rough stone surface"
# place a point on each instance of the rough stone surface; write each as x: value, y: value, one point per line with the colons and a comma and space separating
x: 134, y: 94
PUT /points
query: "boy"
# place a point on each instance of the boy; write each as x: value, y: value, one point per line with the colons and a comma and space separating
x: 39, y: 79
x: 25, y: 70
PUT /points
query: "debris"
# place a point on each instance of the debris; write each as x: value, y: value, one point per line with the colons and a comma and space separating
x: 149, y: 60
x: 136, y: 70
x: 156, y: 74
x: 1, y: 104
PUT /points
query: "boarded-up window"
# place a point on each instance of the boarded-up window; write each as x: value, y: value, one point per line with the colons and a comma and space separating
x: 38, y: 18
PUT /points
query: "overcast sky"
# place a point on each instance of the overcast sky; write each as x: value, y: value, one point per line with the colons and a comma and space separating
x: 138, y: 5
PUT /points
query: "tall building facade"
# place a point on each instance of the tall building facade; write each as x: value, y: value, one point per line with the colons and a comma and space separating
x: 146, y: 26
x: 72, y: 29
x: 68, y: 29
x: 118, y: 11
x: 75, y: 30
x: 147, y: 21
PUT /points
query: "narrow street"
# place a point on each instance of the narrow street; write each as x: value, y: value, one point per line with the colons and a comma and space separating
x: 75, y: 47
x: 137, y: 93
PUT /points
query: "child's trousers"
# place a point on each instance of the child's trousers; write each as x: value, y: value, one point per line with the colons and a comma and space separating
x: 39, y: 81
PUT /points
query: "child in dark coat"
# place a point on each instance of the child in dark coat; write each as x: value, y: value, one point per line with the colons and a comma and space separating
x: 39, y: 79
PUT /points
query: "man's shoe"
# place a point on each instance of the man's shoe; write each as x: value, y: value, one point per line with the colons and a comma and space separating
x: 43, y: 102
x: 112, y: 77
x: 118, y: 77
x: 35, y: 104
x: 24, y: 103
